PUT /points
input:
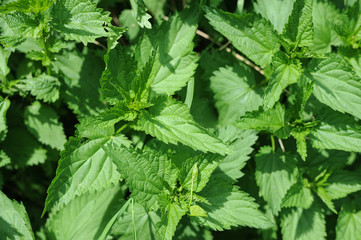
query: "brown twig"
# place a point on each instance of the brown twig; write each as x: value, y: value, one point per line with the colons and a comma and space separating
x: 281, y: 145
x: 100, y: 45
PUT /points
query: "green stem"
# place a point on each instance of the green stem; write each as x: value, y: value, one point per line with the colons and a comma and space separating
x: 190, y: 92
x: 273, y: 144
x: 46, y: 51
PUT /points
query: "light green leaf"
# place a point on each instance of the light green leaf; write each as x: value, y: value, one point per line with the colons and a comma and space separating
x: 128, y: 20
x: 229, y: 207
x: 103, y: 124
x: 197, y: 211
x: 177, y: 61
x: 148, y: 173
x: 18, y: 26
x: 234, y: 93
x: 79, y: 20
x: 276, y: 11
x: 336, y: 84
x: 250, y: 34
x: 300, y: 137
x: 140, y: 13
x: 170, y: 219
x: 88, y: 216
x: 270, y: 120
x: 82, y: 72
x: 171, y: 122
x: 304, y: 224
x: 348, y: 223
x: 4, y: 69
x: 43, y: 87
x: 82, y: 168
x: 145, y: 222
x: 4, y: 160
x: 342, y: 183
x: 326, y: 199
x: 32, y: 152
x: 324, y: 16
x: 4, y: 106
x: 298, y: 31
x: 28, y: 6
x: 206, y: 164
x: 14, y: 221
x: 299, y: 195
x: 337, y: 131
x: 242, y: 141
x: 275, y: 173
x: 286, y: 71
x: 42, y: 121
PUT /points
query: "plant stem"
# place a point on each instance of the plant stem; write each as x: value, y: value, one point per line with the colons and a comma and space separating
x: 273, y: 144
x: 133, y: 220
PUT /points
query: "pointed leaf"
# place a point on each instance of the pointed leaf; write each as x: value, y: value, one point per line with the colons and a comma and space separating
x: 43, y: 87
x: 14, y: 220
x: 171, y: 122
x: 4, y: 106
x: 275, y: 174
x: 299, y: 195
x: 170, y: 219
x: 250, y: 34
x: 42, y: 121
x: 82, y: 168
x: 342, y: 183
x: 286, y: 72
x: 348, y: 223
x: 234, y: 93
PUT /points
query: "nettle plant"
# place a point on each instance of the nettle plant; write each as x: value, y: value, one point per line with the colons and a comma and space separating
x: 167, y: 122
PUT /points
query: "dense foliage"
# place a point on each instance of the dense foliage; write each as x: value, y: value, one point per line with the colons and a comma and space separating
x: 155, y: 119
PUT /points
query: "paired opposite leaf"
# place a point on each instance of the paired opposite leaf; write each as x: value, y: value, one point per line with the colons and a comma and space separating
x: 147, y: 173
x: 79, y: 20
x: 299, y: 28
x: 42, y: 121
x: 276, y: 172
x: 171, y: 122
x: 43, y: 87
x: 304, y: 224
x: 89, y: 216
x: 83, y: 168
x: 234, y: 92
x: 250, y: 34
x: 14, y: 220
x: 286, y: 71
x: 336, y: 84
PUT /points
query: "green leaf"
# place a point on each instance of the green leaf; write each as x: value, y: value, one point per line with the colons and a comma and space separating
x: 140, y: 13
x: 229, y: 207
x: 177, y: 61
x: 79, y: 20
x: 250, y: 34
x: 43, y: 87
x: 42, y: 121
x: 341, y: 183
x: 28, y: 6
x: 324, y: 16
x: 234, y: 93
x: 275, y: 173
x: 336, y: 84
x: 304, y: 224
x: 32, y: 152
x: 88, y: 216
x: 276, y: 11
x: 128, y: 20
x: 171, y: 122
x: 270, y: 120
x: 18, y: 27
x: 197, y: 211
x: 286, y: 72
x: 170, y: 219
x: 320, y: 191
x: 82, y: 72
x: 190, y: 230
x: 348, y: 223
x: 103, y: 124
x: 206, y: 164
x: 147, y: 173
x: 145, y: 222
x: 4, y: 69
x: 229, y: 170
x: 337, y: 131
x: 82, y: 168
x: 299, y: 28
x: 4, y: 106
x: 14, y: 221
x: 4, y: 160
x: 299, y: 195
x: 300, y: 136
